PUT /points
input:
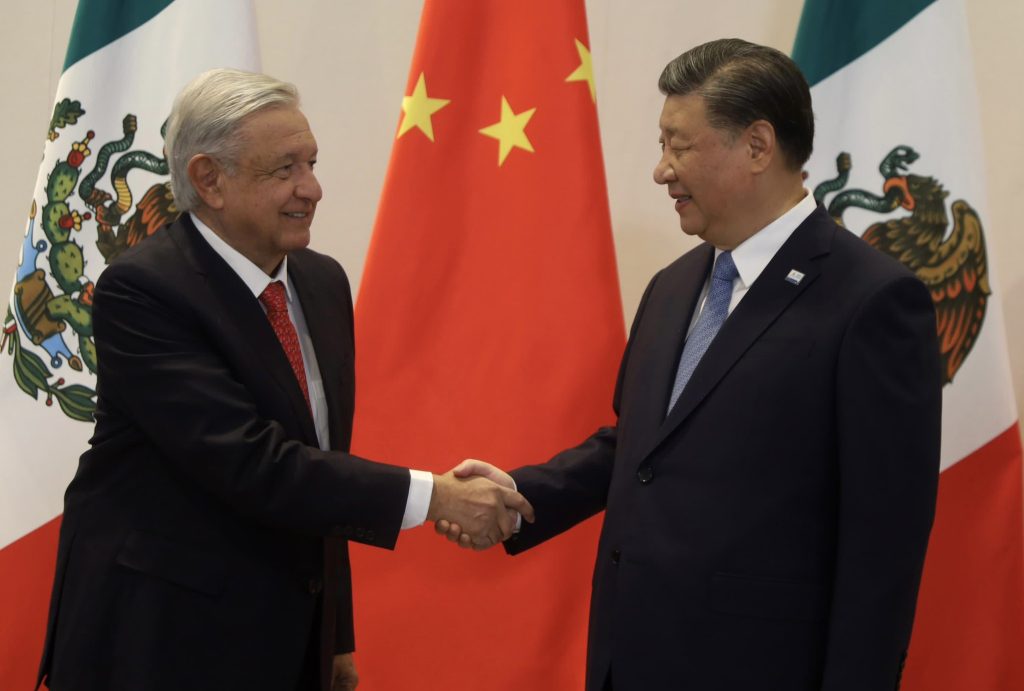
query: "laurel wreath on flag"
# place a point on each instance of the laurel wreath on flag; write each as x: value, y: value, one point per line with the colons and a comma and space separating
x: 32, y: 376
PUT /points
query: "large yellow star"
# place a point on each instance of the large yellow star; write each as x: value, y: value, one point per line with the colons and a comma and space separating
x: 585, y: 72
x: 418, y: 108
x: 510, y: 131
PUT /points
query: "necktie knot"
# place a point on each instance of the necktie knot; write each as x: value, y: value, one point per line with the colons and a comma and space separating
x: 274, y: 298
x: 725, y: 268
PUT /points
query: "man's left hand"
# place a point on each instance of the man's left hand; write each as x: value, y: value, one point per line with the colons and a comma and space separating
x: 344, y: 676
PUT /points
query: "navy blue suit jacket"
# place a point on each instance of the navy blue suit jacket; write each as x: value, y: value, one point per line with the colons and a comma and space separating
x: 770, y: 532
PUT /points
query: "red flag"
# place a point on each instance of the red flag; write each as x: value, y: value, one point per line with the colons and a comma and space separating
x: 489, y: 325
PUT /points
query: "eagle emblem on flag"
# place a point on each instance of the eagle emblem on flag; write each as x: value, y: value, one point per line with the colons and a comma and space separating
x: 952, y: 264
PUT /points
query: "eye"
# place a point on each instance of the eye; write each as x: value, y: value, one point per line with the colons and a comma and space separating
x: 284, y: 171
x: 312, y: 164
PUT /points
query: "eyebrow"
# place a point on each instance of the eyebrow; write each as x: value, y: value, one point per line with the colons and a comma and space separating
x: 674, y: 134
x: 282, y: 160
x: 292, y: 156
x: 288, y: 158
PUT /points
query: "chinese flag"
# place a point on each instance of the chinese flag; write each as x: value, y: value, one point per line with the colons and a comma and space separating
x: 489, y: 325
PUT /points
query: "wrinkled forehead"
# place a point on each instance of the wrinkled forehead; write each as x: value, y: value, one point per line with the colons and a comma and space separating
x: 276, y: 130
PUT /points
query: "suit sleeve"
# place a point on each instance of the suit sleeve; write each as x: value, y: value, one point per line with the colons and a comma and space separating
x: 344, y: 622
x: 889, y: 420
x: 573, y: 486
x: 160, y: 367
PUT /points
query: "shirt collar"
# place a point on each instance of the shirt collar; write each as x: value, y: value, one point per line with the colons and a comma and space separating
x: 253, y: 276
x: 753, y: 254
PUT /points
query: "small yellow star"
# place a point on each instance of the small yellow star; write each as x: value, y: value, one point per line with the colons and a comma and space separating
x: 585, y: 72
x: 418, y: 108
x: 510, y: 131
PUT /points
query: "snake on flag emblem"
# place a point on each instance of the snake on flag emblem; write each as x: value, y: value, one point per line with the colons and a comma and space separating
x: 49, y: 321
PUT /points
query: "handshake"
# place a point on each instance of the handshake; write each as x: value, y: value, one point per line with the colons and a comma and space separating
x: 476, y: 505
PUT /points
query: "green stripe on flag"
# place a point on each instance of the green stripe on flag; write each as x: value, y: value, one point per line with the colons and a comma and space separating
x: 834, y: 33
x: 99, y: 22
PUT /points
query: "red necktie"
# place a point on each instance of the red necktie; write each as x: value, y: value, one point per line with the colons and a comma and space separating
x: 276, y: 303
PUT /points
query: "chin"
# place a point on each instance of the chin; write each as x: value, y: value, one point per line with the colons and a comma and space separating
x: 297, y: 241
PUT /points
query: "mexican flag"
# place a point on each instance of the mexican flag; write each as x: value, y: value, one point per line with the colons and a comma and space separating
x: 102, y: 186
x: 897, y: 161
x: 489, y: 325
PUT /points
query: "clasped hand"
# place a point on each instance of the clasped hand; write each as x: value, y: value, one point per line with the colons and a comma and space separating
x: 476, y: 505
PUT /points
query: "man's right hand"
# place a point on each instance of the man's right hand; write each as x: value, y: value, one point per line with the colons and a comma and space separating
x: 455, y: 531
x: 484, y: 511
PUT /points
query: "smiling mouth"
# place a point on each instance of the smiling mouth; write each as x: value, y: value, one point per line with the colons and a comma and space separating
x: 297, y: 214
x: 682, y: 201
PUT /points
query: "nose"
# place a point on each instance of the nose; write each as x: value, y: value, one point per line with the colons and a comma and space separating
x: 663, y: 172
x: 309, y: 187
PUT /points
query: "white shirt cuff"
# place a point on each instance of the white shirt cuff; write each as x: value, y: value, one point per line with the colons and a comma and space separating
x: 421, y: 487
x: 519, y: 516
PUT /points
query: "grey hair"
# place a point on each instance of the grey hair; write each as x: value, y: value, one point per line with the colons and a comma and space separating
x: 742, y: 82
x: 206, y: 118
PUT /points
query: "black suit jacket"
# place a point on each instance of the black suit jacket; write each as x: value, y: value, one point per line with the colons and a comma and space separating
x: 770, y: 532
x: 203, y: 543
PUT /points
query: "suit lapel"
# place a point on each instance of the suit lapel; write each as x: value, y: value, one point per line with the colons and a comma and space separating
x: 769, y: 296
x: 237, y: 306
x: 661, y: 346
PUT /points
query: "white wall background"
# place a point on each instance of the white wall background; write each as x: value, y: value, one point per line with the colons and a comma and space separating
x: 350, y: 60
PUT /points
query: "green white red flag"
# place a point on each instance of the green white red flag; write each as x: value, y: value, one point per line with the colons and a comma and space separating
x: 897, y: 159
x: 101, y: 187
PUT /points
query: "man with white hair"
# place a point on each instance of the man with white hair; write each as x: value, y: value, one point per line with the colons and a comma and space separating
x: 204, y: 542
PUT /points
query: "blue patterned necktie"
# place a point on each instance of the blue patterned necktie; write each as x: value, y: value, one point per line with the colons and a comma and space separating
x: 716, y: 309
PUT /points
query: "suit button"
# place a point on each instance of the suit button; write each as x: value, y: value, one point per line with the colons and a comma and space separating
x: 616, y: 555
x: 314, y: 586
x: 645, y: 474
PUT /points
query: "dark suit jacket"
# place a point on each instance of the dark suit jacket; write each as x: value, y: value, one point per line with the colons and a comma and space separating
x: 770, y: 533
x: 192, y: 552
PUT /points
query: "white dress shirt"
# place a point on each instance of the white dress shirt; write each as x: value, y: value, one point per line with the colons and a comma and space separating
x: 753, y: 254
x: 421, y: 484
x: 751, y: 257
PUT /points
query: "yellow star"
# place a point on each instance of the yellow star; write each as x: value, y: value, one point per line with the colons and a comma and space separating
x: 418, y: 108
x: 510, y: 131
x: 585, y: 72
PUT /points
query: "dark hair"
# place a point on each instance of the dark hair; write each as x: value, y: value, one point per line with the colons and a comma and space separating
x: 742, y: 82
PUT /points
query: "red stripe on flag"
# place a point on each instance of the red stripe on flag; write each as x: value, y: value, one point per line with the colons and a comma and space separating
x: 26, y: 575
x: 969, y: 630
x: 489, y: 324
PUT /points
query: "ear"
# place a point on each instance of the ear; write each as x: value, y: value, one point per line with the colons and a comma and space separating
x: 762, y: 145
x: 207, y: 177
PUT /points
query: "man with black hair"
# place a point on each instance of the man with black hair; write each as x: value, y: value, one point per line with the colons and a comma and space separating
x: 770, y: 482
